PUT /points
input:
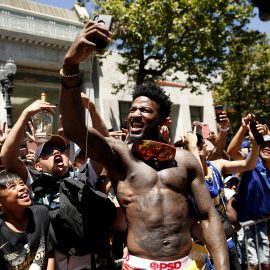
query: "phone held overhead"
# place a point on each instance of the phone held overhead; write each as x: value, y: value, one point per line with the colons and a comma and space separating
x: 106, y: 22
x: 218, y: 110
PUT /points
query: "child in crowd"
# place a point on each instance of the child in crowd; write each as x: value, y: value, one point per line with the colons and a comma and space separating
x: 24, y: 228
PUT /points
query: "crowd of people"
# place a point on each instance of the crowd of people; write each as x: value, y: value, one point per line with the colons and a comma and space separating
x: 143, y: 201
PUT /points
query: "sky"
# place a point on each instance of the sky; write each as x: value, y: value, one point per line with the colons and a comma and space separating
x: 256, y: 24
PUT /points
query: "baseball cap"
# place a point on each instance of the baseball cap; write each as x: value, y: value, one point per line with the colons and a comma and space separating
x: 245, y: 144
x: 54, y: 140
x: 231, y: 178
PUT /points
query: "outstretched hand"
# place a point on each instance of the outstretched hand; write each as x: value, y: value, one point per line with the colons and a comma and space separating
x: 247, y: 119
x: 117, y: 134
x: 190, y: 138
x: 37, y: 106
x: 224, y: 120
x: 30, y: 135
x: 30, y: 157
x: 4, y: 130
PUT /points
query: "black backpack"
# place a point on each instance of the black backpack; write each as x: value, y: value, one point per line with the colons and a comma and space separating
x: 81, y: 224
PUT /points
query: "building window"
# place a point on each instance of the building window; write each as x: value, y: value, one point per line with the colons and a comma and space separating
x: 124, y: 107
x: 196, y: 113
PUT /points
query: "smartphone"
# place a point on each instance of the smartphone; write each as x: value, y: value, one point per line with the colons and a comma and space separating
x: 106, y: 21
x: 23, y: 153
x: 218, y: 110
x: 258, y: 137
x: 205, y: 131
x: 31, y: 145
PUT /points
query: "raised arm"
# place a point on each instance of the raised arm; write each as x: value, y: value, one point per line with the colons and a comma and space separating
x: 10, y: 149
x: 222, y: 137
x: 97, y: 121
x: 238, y: 166
x: 212, y: 230
x: 234, y: 148
x: 72, y: 109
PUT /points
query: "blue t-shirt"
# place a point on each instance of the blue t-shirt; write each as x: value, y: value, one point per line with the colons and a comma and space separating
x: 253, y: 199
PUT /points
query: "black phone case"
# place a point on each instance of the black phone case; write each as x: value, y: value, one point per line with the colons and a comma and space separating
x: 106, y: 21
x: 258, y: 137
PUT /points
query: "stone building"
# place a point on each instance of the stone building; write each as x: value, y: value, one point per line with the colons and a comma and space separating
x: 37, y: 36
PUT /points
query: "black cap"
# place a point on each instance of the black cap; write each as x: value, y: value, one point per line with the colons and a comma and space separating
x: 54, y: 140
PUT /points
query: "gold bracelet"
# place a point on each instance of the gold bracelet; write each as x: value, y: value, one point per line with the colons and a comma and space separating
x: 62, y: 74
x: 224, y: 129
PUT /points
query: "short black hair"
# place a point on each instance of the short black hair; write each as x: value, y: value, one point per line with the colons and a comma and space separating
x: 155, y: 93
x: 7, y: 178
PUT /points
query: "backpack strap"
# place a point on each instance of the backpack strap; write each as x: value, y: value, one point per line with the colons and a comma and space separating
x: 87, y: 174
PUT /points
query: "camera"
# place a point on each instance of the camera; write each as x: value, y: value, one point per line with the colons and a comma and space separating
x: 106, y: 22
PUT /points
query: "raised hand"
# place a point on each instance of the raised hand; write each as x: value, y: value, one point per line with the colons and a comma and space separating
x: 82, y: 46
x: 3, y: 132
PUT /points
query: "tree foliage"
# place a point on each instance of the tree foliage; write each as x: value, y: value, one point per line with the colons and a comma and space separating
x: 158, y: 38
x: 245, y: 81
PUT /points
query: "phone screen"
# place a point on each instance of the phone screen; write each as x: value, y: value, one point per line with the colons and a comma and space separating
x: 23, y: 152
x: 205, y: 130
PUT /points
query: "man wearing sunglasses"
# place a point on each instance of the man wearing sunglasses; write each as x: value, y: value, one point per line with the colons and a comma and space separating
x: 151, y: 181
x: 52, y: 156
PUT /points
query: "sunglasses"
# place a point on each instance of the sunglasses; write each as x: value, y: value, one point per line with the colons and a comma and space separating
x: 48, y: 149
x: 147, y: 149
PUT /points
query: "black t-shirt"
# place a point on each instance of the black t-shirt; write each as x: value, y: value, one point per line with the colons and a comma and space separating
x: 29, y: 248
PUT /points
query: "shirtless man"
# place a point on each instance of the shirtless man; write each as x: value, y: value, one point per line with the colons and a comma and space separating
x: 152, y: 193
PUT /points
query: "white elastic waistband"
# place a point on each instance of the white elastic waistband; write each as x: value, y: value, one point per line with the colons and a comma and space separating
x: 142, y: 263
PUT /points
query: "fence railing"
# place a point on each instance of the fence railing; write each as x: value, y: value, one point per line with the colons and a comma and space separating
x: 250, y: 224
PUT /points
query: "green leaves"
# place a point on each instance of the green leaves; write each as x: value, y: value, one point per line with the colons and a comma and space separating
x: 245, y: 80
x: 157, y: 37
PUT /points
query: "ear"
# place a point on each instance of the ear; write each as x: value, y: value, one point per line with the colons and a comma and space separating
x: 38, y: 167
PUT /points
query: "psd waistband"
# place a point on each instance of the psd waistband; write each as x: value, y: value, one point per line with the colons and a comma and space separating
x: 137, y: 263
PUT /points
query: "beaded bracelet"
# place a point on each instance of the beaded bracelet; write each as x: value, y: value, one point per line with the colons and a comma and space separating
x: 224, y: 129
x: 62, y: 74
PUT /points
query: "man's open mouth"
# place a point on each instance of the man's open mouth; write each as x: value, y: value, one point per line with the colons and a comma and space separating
x: 136, y: 127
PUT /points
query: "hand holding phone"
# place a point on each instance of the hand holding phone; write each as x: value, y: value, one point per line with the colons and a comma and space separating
x: 205, y: 131
x: 218, y: 110
x: 203, y: 128
x: 106, y: 22
x: 258, y: 137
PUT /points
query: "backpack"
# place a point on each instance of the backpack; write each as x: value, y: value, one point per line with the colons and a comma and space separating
x: 81, y: 223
